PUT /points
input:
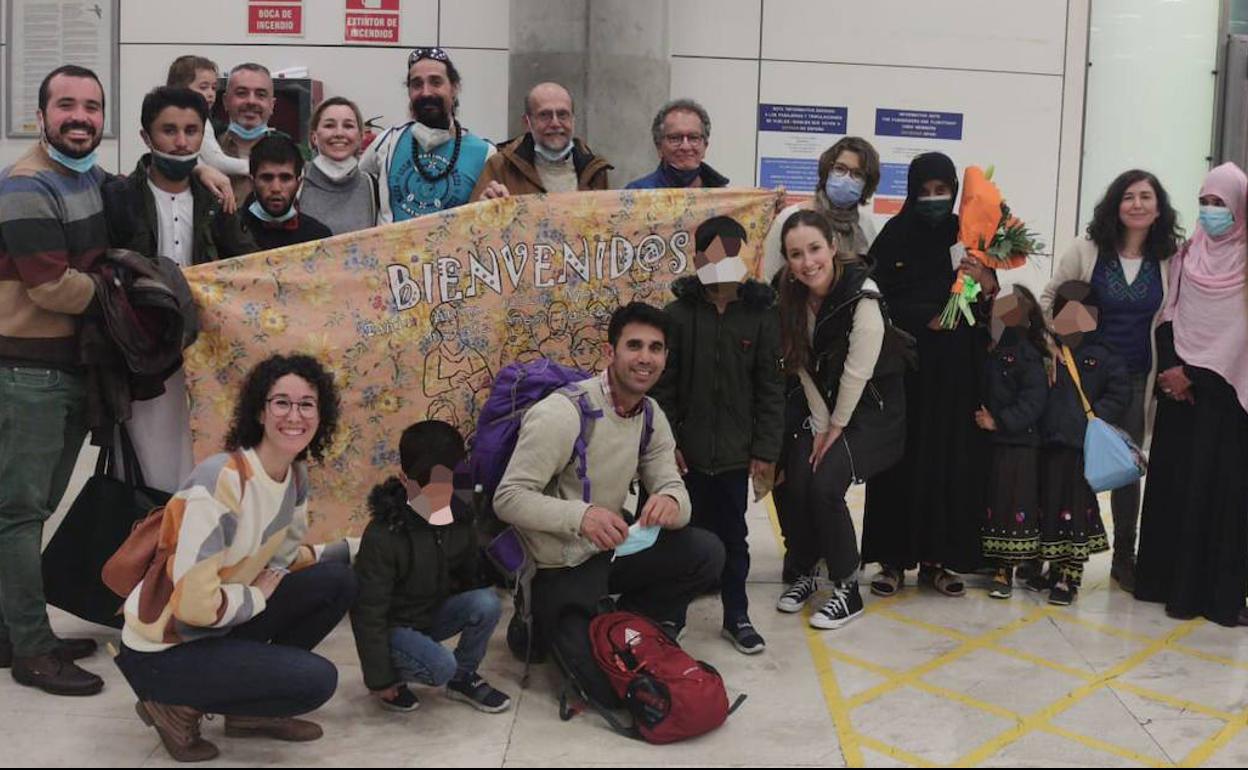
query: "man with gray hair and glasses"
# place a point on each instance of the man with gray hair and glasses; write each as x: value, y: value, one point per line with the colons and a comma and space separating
x: 681, y: 133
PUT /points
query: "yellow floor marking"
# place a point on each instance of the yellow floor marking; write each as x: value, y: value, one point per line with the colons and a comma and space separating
x: 852, y: 742
x: 1109, y: 748
x: 901, y: 755
x: 1043, y: 716
x: 1201, y: 753
x: 845, y: 733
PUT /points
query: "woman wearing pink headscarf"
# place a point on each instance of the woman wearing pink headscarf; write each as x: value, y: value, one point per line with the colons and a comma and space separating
x: 1194, y: 527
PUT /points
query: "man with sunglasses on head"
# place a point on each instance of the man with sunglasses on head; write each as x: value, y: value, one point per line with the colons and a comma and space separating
x: 548, y: 158
x: 681, y: 133
x: 429, y: 163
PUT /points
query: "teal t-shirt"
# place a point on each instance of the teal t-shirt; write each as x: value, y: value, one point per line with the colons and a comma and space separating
x: 412, y: 195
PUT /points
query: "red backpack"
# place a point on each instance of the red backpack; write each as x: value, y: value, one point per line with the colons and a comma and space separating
x: 670, y: 695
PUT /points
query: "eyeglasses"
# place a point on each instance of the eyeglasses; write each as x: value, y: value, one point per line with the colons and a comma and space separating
x: 435, y: 53
x: 280, y: 406
x: 549, y: 116
x: 839, y: 169
x: 676, y: 140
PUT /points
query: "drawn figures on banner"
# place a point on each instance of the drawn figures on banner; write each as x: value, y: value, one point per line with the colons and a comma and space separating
x: 557, y: 336
x: 520, y: 342
x: 453, y: 364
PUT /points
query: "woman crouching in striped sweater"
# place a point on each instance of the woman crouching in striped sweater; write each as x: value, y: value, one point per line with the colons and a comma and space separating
x: 227, y: 622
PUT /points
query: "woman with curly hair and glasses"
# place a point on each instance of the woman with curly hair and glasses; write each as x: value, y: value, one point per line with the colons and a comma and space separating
x: 226, y: 619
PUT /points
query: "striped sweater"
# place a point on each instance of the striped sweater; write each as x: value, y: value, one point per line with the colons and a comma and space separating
x: 52, y: 230
x: 227, y: 523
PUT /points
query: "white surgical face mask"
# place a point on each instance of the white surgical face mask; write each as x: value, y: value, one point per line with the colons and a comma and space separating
x: 552, y: 156
x: 337, y: 170
x: 727, y: 270
x: 429, y: 138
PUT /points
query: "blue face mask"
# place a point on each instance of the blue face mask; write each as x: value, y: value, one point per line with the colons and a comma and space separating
x: 1216, y: 220
x: 843, y: 191
x: 639, y: 539
x: 682, y: 177
x: 248, y: 134
x: 77, y: 165
x: 264, y: 216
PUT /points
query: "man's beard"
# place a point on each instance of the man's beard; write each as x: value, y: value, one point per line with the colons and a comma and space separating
x: 431, y: 111
x: 65, y: 148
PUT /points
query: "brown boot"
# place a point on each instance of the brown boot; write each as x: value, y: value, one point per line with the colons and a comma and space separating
x: 178, y: 727
x: 277, y: 728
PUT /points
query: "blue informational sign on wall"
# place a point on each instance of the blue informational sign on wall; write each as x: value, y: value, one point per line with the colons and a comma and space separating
x: 917, y: 123
x: 802, y: 118
x: 893, y: 179
x: 796, y: 174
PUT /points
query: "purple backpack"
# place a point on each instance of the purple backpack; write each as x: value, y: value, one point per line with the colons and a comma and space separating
x: 516, y: 388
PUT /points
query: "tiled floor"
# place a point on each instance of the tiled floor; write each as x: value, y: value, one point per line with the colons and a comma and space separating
x: 920, y: 680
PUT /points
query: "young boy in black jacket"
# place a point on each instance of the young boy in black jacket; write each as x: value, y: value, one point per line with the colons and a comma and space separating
x: 723, y: 393
x: 419, y: 580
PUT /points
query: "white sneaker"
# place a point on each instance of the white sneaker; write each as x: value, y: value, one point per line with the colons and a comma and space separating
x: 796, y: 596
x: 844, y: 606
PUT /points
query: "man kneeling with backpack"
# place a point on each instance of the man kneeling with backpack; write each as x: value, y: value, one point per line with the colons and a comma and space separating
x: 419, y: 580
x: 567, y: 503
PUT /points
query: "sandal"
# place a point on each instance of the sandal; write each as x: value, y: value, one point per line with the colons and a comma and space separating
x: 942, y: 580
x: 888, y: 581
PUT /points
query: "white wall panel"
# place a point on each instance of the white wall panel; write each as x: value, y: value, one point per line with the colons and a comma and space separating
x: 1021, y: 139
x: 1010, y: 35
x: 729, y: 91
x: 476, y: 23
x: 725, y: 28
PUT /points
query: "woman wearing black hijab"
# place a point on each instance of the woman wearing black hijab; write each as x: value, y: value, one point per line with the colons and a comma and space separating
x: 926, y: 510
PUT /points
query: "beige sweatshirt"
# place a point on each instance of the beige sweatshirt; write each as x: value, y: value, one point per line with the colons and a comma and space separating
x: 540, y: 493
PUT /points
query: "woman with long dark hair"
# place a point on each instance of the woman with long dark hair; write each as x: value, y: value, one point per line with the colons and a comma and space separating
x: 1134, y: 230
x: 849, y: 411
x: 1194, y: 526
x: 227, y: 623
x: 926, y: 510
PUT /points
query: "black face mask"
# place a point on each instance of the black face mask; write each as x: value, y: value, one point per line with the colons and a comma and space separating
x: 681, y: 177
x: 174, y: 167
x: 934, y: 211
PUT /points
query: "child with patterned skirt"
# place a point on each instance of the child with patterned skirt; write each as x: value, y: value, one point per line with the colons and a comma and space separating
x: 1016, y: 393
x: 1070, y: 524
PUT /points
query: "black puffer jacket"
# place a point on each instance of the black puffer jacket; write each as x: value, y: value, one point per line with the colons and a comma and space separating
x: 722, y: 390
x: 1106, y: 383
x: 834, y: 323
x: 1017, y: 390
x: 406, y: 568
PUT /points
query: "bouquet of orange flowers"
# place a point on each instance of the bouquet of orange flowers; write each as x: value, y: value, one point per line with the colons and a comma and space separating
x: 991, y: 235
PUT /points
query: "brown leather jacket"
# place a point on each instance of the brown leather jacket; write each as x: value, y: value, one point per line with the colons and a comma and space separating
x: 513, y: 165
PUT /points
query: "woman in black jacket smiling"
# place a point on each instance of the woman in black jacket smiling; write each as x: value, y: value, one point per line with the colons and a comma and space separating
x: 833, y: 335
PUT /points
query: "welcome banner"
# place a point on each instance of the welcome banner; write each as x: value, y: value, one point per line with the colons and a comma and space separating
x: 415, y: 319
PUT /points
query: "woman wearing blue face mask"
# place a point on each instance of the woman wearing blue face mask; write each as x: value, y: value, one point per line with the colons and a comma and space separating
x: 1134, y: 230
x: 926, y: 510
x: 849, y: 173
x: 1193, y: 529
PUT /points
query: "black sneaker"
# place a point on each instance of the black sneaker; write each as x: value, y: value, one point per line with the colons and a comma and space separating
x: 1062, y: 595
x: 795, y: 596
x: 476, y: 692
x: 844, y: 606
x: 1037, y: 583
x: 406, y: 700
x: 744, y: 637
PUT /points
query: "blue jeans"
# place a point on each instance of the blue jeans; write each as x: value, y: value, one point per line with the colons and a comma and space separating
x: 420, y: 657
x: 719, y: 505
x: 264, y: 667
x: 42, y: 424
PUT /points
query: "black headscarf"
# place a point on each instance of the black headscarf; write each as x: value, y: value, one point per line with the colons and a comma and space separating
x: 911, y: 256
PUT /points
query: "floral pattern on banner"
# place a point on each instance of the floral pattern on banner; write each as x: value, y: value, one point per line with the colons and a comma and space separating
x: 415, y: 319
